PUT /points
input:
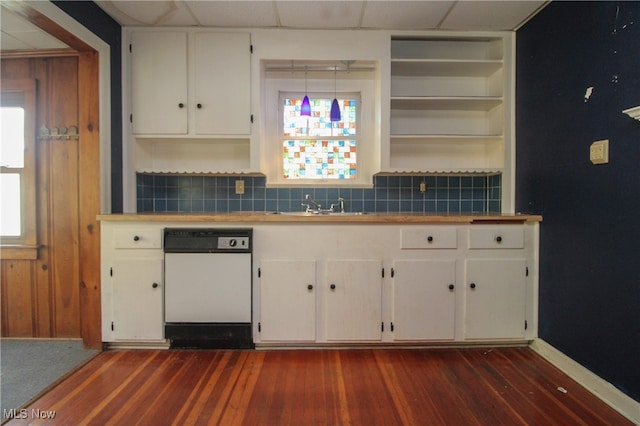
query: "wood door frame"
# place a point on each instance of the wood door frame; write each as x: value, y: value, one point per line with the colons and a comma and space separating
x: 89, y: 189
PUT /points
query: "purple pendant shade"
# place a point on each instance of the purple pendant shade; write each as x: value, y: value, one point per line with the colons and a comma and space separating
x: 335, y: 110
x: 305, y: 108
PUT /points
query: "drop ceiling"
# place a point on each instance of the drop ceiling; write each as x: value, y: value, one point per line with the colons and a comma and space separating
x: 326, y: 14
x: 476, y: 15
x: 19, y: 34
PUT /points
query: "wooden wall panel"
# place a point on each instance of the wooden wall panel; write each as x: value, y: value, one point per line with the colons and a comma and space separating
x: 45, y: 323
x: 43, y: 299
x: 89, y: 193
x: 62, y: 95
x: 66, y: 276
x: 18, y: 304
x: 64, y: 237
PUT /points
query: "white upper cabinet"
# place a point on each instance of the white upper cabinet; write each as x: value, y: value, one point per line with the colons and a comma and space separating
x: 190, y: 84
x: 448, y: 104
x: 222, y: 84
x: 159, y: 83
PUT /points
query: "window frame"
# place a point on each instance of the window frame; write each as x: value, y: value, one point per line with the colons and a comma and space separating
x: 22, y: 93
x: 350, y: 95
x: 268, y: 145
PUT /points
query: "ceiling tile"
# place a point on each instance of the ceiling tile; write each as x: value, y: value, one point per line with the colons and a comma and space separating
x: 247, y: 14
x: 409, y: 15
x: 18, y: 34
x: 8, y: 42
x: 320, y: 14
x: 490, y: 15
x: 143, y: 13
x: 11, y: 22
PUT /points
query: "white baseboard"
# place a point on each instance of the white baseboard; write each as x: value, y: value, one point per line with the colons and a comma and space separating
x: 604, y: 390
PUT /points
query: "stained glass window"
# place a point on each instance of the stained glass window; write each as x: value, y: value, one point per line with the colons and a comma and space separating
x: 315, y: 147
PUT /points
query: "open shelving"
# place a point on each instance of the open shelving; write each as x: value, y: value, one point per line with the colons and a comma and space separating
x: 447, y: 105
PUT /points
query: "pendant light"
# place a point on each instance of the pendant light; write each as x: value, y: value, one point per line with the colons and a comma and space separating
x: 335, y: 108
x: 305, y: 108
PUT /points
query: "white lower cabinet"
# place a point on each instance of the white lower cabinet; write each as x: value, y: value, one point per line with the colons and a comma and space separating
x: 424, y: 299
x: 355, y: 283
x: 353, y: 300
x: 132, y: 283
x: 495, y: 297
x: 287, y: 300
x: 137, y: 299
x: 397, y: 284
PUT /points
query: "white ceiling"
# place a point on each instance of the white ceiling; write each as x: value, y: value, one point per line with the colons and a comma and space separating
x: 17, y: 34
x: 326, y: 14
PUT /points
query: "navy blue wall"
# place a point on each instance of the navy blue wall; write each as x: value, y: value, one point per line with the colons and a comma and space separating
x: 101, y: 24
x: 590, y: 234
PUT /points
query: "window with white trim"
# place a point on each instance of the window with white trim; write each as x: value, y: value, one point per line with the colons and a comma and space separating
x: 17, y: 163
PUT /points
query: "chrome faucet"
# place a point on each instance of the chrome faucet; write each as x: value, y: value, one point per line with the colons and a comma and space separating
x: 340, y: 205
x: 312, y: 201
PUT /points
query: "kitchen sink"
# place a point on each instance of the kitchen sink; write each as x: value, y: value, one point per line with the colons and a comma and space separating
x: 324, y: 214
x: 312, y: 214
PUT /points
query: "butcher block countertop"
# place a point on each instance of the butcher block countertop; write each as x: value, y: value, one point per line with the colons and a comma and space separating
x: 368, y: 218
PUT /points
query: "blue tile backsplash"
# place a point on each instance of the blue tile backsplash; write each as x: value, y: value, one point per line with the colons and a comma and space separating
x: 216, y: 194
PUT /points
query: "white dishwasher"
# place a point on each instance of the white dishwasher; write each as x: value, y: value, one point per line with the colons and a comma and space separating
x: 207, y: 290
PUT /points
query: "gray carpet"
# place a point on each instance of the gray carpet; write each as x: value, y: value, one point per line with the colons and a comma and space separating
x: 27, y: 367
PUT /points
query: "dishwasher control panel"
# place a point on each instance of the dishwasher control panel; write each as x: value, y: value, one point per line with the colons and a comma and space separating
x: 207, y: 240
x: 233, y: 243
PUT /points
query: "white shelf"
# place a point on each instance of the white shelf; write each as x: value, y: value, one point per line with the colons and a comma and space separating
x: 462, y: 103
x: 447, y: 105
x: 447, y: 154
x: 201, y: 156
x: 450, y: 139
x: 439, y: 67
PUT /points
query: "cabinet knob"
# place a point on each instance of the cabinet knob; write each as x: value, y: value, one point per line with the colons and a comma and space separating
x: 472, y: 285
x: 310, y: 287
x: 136, y: 238
x: 332, y: 286
x: 498, y: 239
x: 154, y: 285
x: 180, y: 105
x: 199, y: 106
x: 430, y: 238
x: 451, y: 286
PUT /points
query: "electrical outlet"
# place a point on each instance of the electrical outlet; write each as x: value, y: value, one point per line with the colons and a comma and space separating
x: 239, y: 186
x: 599, y: 152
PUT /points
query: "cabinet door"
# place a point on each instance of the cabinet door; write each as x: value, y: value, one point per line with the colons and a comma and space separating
x: 287, y: 300
x: 222, y: 83
x: 423, y: 302
x: 495, y: 299
x: 353, y: 303
x: 137, y: 299
x: 159, y: 82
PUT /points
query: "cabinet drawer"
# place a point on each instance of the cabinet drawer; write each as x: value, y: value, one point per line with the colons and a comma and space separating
x: 496, y: 237
x: 138, y: 238
x: 434, y: 237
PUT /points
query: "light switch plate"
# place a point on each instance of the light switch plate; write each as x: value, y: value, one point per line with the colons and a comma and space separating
x: 599, y: 152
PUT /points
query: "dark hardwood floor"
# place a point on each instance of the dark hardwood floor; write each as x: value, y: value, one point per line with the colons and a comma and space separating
x: 476, y: 386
